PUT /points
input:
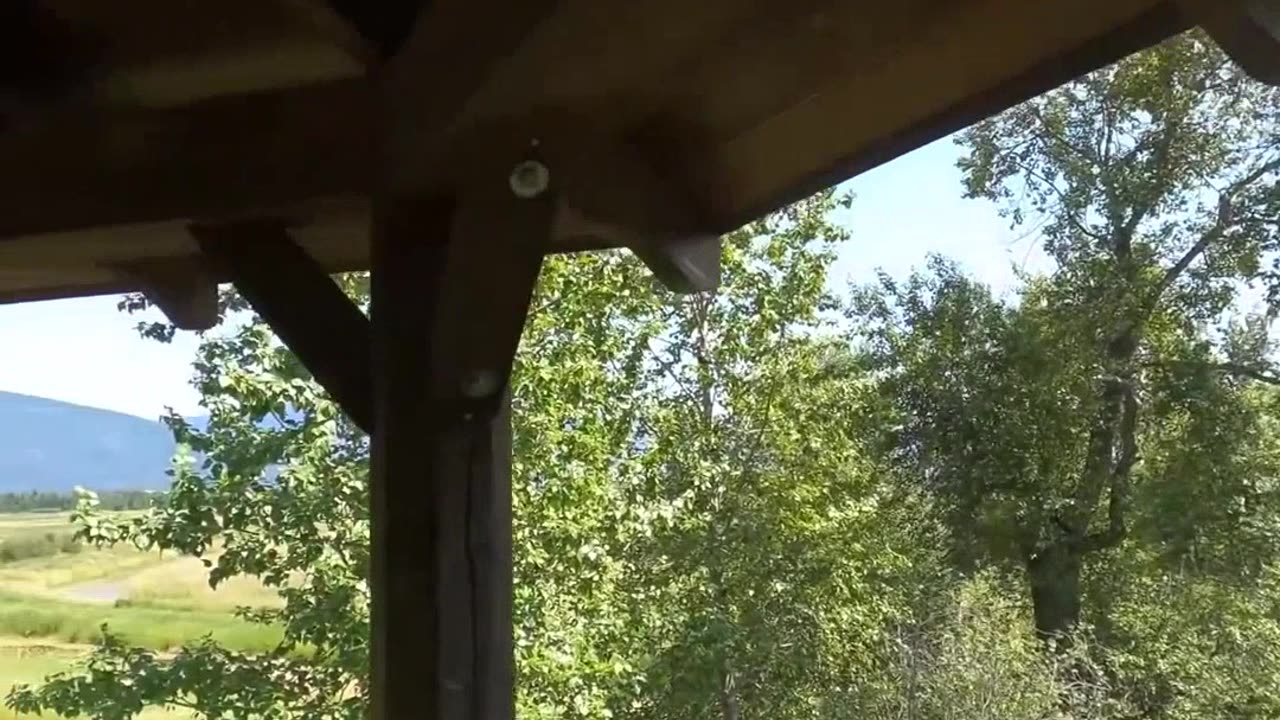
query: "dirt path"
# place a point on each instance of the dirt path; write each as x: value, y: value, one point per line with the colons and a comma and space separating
x: 98, y: 591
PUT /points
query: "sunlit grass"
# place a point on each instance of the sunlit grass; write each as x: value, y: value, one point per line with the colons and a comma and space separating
x: 183, y: 584
x: 40, y: 575
x: 52, y: 607
x: 11, y: 523
x: 150, y: 579
x: 155, y: 628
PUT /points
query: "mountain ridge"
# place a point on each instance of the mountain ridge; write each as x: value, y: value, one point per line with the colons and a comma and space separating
x: 52, y: 446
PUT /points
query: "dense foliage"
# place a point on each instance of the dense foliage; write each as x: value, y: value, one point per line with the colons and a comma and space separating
x: 938, y: 503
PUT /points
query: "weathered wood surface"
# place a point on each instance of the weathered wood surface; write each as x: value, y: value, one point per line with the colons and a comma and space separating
x: 253, y: 108
x: 445, y: 331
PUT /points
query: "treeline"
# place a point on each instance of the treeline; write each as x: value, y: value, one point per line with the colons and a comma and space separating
x: 38, y: 501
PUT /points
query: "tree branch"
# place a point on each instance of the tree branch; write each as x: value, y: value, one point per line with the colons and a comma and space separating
x: 1058, y: 138
x: 1071, y: 216
x: 1122, y: 240
x: 1118, y: 493
x: 1173, y: 273
x: 1220, y: 225
x: 1099, y: 461
x: 1264, y: 375
x: 668, y: 367
x: 1260, y: 373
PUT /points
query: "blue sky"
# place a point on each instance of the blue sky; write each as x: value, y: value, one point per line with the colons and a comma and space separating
x: 84, y: 351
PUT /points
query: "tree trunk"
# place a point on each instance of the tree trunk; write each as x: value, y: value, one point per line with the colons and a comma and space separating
x: 728, y: 696
x: 1054, y: 577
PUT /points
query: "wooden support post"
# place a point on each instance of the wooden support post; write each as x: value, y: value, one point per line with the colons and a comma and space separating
x: 302, y: 304
x: 451, y: 286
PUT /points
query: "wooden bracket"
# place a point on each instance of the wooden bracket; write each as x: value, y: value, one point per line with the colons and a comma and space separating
x: 608, y: 195
x: 183, y: 290
x: 482, y: 275
x: 340, y: 22
x: 382, y: 25
x: 306, y: 309
x: 613, y: 198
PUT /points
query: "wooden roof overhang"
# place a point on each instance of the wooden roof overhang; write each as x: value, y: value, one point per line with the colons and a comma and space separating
x: 165, y: 145
x: 124, y: 122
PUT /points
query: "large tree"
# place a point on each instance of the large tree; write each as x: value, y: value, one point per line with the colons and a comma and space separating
x: 1153, y: 184
x: 274, y: 485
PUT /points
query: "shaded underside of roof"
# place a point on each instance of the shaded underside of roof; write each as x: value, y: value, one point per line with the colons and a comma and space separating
x: 122, y: 123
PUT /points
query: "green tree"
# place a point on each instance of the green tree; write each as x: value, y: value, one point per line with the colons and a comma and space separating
x: 1154, y: 186
x: 281, y: 493
x: 697, y: 524
x: 771, y: 561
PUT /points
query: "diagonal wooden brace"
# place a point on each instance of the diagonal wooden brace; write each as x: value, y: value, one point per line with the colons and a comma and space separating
x: 305, y: 308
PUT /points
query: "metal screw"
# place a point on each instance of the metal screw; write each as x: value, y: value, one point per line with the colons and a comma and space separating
x: 479, y: 384
x: 529, y: 179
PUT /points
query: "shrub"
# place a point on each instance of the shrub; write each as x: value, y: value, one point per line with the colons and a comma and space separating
x: 37, y: 545
x: 977, y: 658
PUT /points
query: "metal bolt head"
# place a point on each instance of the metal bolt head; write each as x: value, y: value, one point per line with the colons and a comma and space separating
x: 529, y: 179
x: 479, y: 384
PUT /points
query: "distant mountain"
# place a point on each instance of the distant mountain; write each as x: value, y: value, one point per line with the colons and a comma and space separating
x: 49, y: 445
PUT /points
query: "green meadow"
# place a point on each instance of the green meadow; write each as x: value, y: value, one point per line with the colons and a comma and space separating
x: 56, y: 595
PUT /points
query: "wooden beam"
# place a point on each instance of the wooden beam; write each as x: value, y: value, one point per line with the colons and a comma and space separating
x: 451, y: 286
x: 384, y: 24
x: 473, y: 38
x: 229, y: 157
x: 1247, y: 30
x: 44, y: 60
x: 939, y: 79
x: 302, y: 304
x: 326, y: 18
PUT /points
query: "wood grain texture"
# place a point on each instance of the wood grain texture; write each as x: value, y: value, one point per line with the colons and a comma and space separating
x: 934, y: 76
x: 441, y: 617
x: 1247, y: 30
x: 183, y: 290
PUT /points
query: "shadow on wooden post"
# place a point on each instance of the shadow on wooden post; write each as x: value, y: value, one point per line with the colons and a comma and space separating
x: 451, y: 286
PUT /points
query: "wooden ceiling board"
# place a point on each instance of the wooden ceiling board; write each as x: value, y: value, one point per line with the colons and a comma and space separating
x: 223, y: 158
x: 823, y: 133
x: 73, y: 264
x: 261, y: 108
x: 143, y: 32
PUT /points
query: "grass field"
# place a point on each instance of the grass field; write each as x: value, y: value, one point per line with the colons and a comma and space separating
x: 52, y: 608
x: 32, y: 662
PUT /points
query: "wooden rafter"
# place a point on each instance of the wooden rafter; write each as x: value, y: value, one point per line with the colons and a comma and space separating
x: 1248, y: 30
x: 224, y: 158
